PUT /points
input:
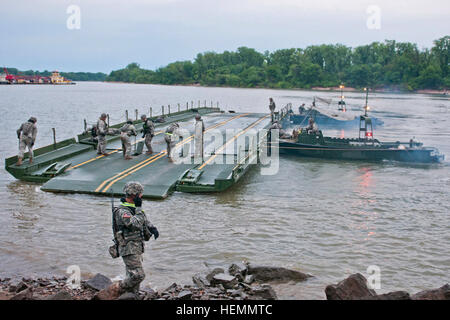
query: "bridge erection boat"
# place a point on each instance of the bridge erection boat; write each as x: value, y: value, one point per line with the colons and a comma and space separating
x: 308, y: 143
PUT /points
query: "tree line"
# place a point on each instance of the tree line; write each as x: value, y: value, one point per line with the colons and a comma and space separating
x: 388, y: 64
x: 75, y: 76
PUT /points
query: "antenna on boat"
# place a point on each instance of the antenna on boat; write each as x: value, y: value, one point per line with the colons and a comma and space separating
x: 342, y: 105
x: 366, y: 107
x: 365, y: 123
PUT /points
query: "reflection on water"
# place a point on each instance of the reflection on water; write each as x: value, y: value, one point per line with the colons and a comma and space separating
x: 326, y: 218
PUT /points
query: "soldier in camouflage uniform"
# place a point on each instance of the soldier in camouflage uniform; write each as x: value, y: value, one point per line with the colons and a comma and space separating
x: 27, y: 137
x: 272, y: 107
x: 148, y: 130
x: 126, y: 132
x: 170, y: 138
x: 134, y: 228
x: 102, y: 130
x: 312, y: 127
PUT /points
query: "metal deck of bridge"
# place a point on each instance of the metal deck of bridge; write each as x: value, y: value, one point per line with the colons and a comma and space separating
x: 90, y: 173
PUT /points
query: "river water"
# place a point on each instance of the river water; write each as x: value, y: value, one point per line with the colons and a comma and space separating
x: 326, y: 218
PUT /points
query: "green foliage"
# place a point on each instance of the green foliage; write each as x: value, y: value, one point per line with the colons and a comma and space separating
x: 393, y: 64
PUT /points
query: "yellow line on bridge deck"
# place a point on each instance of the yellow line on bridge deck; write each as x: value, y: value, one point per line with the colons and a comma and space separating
x: 231, y: 140
x: 144, y: 163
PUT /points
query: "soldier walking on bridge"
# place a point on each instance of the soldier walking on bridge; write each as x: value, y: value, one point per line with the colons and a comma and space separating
x: 272, y: 107
x: 27, y: 136
x: 199, y: 130
x: 148, y: 130
x: 126, y: 132
x: 170, y: 138
x: 102, y: 130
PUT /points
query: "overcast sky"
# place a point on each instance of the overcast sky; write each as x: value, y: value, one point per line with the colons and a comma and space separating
x: 154, y: 33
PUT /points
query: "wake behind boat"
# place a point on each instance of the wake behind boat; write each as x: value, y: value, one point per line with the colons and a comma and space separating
x: 338, y: 118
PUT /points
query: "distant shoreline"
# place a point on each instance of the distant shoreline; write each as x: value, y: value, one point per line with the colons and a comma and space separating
x: 318, y: 89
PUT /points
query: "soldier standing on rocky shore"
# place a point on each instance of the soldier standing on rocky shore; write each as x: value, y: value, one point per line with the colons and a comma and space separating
x: 133, y: 228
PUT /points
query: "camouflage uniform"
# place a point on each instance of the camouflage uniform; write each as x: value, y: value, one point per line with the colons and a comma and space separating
x: 27, y: 136
x: 272, y: 108
x: 126, y: 132
x: 312, y: 127
x: 199, y: 129
x: 170, y: 138
x: 149, y: 132
x: 131, y: 221
x: 102, y: 130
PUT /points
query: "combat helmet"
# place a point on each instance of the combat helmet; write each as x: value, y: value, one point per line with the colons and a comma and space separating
x: 133, y: 188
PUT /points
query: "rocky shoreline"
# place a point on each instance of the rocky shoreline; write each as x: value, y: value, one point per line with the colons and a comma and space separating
x: 240, y: 281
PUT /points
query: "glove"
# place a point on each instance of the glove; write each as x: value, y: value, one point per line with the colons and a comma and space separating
x: 32, y: 144
x: 18, y: 135
x: 154, y: 232
x: 138, y: 201
x: 143, y: 135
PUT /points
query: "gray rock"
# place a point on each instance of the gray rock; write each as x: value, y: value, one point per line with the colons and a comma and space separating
x: 443, y: 293
x: 396, y: 295
x: 213, y: 273
x: 184, y: 295
x: 200, y: 281
x: 172, y: 288
x: 61, y: 295
x: 128, y: 296
x: 264, y: 292
x: 226, y: 280
x: 235, y: 293
x: 149, y: 293
x: 239, y: 277
x: 244, y: 296
x: 237, y: 268
x: 249, y: 279
x: 267, y: 274
x: 212, y: 290
x: 43, y: 282
x: 353, y: 288
x: 98, y: 282
x: 221, y: 288
x: 17, y: 286
x: 26, y: 294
